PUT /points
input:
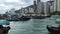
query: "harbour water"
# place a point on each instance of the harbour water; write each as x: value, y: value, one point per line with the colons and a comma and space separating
x: 33, y: 26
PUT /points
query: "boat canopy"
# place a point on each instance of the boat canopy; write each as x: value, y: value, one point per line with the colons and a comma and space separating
x: 58, y: 20
x: 4, y: 22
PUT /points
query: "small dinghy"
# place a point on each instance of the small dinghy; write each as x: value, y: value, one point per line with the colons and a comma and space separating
x: 53, y: 30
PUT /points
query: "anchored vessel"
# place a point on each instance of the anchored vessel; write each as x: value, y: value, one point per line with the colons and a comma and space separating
x: 53, y: 30
x: 22, y: 18
x: 4, y: 29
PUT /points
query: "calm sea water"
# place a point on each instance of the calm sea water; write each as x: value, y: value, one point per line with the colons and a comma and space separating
x: 33, y: 26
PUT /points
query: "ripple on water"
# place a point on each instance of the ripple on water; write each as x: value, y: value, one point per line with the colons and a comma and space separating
x: 33, y: 26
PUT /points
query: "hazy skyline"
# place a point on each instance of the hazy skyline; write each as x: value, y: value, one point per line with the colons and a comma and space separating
x: 17, y: 4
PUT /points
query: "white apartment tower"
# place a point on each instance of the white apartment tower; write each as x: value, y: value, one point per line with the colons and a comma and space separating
x: 46, y: 8
x: 38, y: 1
x: 40, y: 7
x: 56, y: 5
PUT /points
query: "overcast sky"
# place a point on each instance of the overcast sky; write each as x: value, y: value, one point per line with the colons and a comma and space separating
x: 8, y: 4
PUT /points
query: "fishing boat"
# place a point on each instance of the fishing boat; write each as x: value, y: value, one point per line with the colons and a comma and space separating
x: 3, y: 29
x: 12, y: 19
x: 38, y: 17
x: 24, y: 18
x: 53, y: 30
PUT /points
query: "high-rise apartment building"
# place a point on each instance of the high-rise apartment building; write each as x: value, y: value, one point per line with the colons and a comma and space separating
x: 38, y: 1
x: 40, y: 7
x: 35, y: 7
x: 56, y: 5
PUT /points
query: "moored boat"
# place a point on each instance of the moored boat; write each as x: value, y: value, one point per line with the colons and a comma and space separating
x: 24, y: 18
x: 4, y: 29
x: 12, y: 19
x: 53, y: 30
x: 38, y: 17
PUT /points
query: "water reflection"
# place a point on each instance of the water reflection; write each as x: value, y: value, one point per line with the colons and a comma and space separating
x: 34, y: 26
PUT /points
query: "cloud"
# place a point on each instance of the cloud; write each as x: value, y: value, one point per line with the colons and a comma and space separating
x: 17, y: 4
x: 44, y: 0
x: 16, y: 1
x: 8, y: 4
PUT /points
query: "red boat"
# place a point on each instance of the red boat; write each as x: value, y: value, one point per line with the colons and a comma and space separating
x: 53, y: 30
